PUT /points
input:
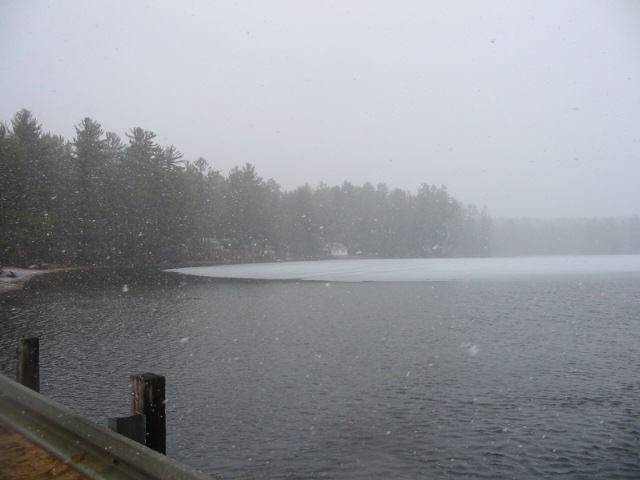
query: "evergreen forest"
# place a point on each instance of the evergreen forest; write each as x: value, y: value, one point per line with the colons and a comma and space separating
x: 101, y: 199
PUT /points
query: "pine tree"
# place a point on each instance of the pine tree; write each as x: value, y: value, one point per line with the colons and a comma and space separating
x: 90, y: 196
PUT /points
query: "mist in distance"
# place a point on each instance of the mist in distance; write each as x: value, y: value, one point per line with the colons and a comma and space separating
x: 529, y: 109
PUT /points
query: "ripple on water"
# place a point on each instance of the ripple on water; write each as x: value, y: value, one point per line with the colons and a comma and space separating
x: 355, y: 381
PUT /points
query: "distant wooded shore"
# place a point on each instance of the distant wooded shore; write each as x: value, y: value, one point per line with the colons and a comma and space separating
x: 102, y: 200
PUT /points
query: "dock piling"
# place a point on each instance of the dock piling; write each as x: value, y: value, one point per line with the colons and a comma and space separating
x: 148, y: 399
x: 28, y: 367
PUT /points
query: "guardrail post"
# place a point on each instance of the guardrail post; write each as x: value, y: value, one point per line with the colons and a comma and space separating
x: 148, y: 399
x: 132, y: 427
x: 28, y: 368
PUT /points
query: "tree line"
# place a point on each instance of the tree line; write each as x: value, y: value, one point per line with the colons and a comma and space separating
x: 102, y: 199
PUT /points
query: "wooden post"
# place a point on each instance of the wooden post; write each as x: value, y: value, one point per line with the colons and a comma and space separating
x: 28, y: 368
x: 148, y: 399
x: 132, y: 427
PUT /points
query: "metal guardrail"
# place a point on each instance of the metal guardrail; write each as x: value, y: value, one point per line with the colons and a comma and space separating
x: 92, y: 450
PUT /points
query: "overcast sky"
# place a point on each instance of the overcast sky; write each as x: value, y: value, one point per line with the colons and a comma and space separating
x: 530, y: 108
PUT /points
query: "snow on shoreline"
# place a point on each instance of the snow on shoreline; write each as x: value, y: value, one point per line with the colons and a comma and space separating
x: 422, y: 270
x: 390, y: 270
x: 12, y: 278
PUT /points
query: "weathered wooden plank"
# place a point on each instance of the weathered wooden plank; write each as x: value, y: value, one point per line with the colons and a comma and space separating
x: 148, y: 399
x: 28, y: 367
x: 21, y: 459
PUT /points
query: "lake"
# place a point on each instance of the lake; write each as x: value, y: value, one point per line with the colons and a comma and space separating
x: 529, y: 373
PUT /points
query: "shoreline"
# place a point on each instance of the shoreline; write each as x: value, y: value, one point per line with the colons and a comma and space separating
x: 10, y: 284
x: 13, y: 280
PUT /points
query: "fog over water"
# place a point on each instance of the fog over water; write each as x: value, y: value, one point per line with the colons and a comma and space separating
x: 529, y: 108
x: 495, y: 368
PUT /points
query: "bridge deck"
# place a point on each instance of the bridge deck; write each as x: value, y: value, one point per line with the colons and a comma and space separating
x: 21, y: 459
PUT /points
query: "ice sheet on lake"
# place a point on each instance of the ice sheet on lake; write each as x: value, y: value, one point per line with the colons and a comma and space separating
x: 422, y: 270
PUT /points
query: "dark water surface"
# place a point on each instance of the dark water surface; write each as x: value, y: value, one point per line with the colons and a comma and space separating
x: 469, y: 379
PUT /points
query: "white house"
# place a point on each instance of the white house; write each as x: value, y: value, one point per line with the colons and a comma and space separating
x: 335, y: 249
